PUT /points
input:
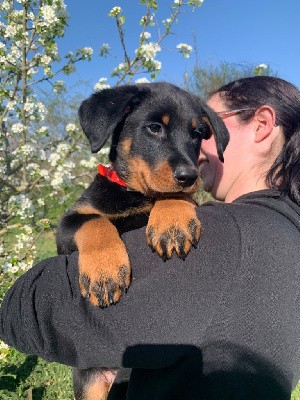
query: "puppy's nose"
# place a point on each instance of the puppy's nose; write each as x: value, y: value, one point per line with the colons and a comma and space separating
x: 185, y: 175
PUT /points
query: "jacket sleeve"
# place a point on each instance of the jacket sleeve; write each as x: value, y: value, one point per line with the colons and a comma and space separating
x: 166, y: 311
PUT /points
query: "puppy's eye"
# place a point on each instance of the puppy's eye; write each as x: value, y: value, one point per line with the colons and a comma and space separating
x: 202, y: 131
x: 155, y: 128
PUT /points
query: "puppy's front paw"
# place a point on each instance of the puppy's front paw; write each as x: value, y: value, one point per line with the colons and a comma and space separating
x: 104, y: 269
x: 173, y: 226
x: 104, y: 276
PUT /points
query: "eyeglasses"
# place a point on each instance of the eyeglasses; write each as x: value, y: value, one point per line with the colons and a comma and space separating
x: 229, y: 113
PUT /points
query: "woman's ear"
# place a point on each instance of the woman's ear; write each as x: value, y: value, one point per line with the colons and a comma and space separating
x: 265, y: 117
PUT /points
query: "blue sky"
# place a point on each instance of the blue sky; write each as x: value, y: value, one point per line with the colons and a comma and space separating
x: 234, y: 31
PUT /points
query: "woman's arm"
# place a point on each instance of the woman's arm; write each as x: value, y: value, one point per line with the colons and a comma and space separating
x: 167, y: 309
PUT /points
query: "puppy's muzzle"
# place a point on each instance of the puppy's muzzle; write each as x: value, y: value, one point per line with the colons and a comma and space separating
x: 185, y: 175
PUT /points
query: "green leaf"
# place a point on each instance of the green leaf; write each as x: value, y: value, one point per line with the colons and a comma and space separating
x: 122, y: 20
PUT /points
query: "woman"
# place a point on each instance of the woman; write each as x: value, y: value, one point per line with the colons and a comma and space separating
x: 224, y: 324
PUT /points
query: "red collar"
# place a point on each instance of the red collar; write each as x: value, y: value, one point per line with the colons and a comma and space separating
x: 111, y: 174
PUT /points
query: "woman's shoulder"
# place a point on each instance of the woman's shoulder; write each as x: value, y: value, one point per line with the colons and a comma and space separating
x: 264, y: 205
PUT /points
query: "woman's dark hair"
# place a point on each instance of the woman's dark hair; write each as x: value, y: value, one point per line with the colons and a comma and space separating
x: 284, y: 98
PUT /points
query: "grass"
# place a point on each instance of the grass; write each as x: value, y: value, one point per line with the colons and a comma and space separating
x: 31, y: 378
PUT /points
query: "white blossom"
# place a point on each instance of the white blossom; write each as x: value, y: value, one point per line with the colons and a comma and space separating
x: 18, y: 127
x: 185, y: 49
x: 26, y: 149
x: 21, y: 206
x: 71, y: 128
x: 104, y: 151
x: 53, y: 159
x: 45, y: 174
x: 90, y: 164
x: 146, y: 19
x: 142, y: 80
x: 45, y: 60
x: 11, y: 31
x: 11, y: 104
x: 33, y: 71
x: 101, y: 85
x: 115, y: 11
x: 148, y: 50
x: 262, y: 66
x: 43, y: 129
x: 5, y: 5
x: 88, y: 51
x: 42, y: 154
x: 4, y: 350
x: 156, y: 65
x: 145, y: 35
x: 167, y: 21
x: 41, y: 202
x: 49, y: 15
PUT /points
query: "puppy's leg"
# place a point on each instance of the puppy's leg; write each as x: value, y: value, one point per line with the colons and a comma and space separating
x: 104, y: 270
x: 92, y: 384
x: 173, y: 226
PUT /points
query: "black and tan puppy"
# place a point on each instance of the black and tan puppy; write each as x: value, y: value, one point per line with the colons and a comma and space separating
x: 156, y: 132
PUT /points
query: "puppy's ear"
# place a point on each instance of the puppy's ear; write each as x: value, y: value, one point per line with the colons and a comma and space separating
x: 218, y: 129
x: 100, y: 114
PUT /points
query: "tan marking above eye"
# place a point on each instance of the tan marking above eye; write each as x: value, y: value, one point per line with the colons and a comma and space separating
x: 126, y: 145
x: 166, y: 119
x: 194, y: 123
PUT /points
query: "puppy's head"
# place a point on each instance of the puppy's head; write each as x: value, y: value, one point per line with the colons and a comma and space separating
x: 156, y: 132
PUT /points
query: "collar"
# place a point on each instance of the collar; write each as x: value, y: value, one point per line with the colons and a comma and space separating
x: 110, y: 174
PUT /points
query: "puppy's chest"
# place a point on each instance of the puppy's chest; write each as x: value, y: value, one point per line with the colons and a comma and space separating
x: 116, y: 203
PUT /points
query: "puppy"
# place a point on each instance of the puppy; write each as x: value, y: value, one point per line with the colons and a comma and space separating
x: 156, y: 132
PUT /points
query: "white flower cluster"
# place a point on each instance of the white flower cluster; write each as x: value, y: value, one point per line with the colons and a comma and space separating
x: 198, y: 2
x: 62, y: 176
x: 101, y: 84
x: 25, y: 149
x: 167, y: 21
x: 89, y: 164
x: 52, y: 13
x: 142, y: 80
x: 85, y: 53
x: 185, y: 49
x: 64, y: 167
x: 18, y: 128
x: 21, y: 206
x: 5, y: 6
x: 262, y: 66
x: 148, y: 50
x: 115, y: 11
x: 45, y: 60
x: 146, y: 20
x: 49, y: 15
x: 261, y: 69
x: 11, y: 31
x: 35, y: 111
x: 33, y: 169
x: 145, y: 35
x: 4, y: 350
x: 61, y: 152
x: 104, y: 151
x: 24, y: 252
x: 59, y: 86
x: 71, y: 128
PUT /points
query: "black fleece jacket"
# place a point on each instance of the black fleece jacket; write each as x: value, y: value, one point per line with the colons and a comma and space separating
x: 223, y: 324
